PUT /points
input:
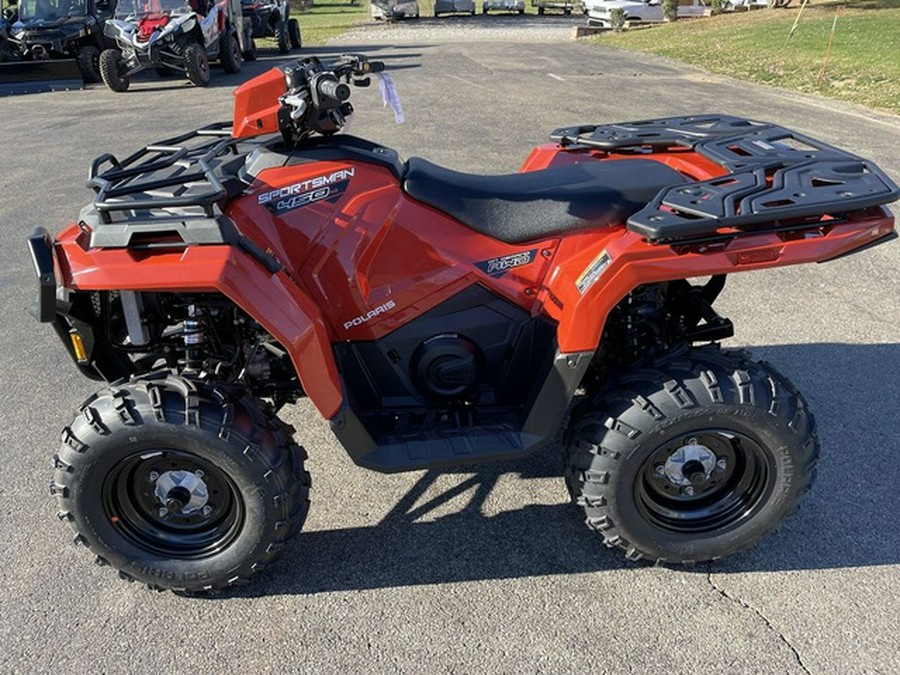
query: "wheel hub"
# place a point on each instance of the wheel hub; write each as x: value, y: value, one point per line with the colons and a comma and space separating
x: 690, y: 465
x: 182, y: 492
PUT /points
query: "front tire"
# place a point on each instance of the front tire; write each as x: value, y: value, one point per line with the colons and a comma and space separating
x: 693, y: 458
x: 111, y: 70
x: 282, y: 39
x: 196, y: 64
x: 230, y: 53
x: 250, y: 44
x: 294, y: 36
x: 88, y: 60
x: 180, y: 484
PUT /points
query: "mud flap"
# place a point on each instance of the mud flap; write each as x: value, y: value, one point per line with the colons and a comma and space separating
x: 32, y: 77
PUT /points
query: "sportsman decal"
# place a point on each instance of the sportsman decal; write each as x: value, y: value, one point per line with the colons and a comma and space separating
x: 321, y: 188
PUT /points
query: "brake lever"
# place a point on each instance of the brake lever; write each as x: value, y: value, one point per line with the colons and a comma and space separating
x: 297, y: 103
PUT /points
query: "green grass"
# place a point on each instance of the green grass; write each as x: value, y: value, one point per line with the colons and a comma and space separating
x: 864, y: 66
x: 323, y: 21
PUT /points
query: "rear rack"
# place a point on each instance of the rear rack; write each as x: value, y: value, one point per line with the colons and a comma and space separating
x: 168, y: 192
x: 775, y: 175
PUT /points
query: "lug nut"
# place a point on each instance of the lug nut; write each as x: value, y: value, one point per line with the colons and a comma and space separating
x: 689, y: 491
x: 721, y: 464
x: 198, y: 473
x: 660, y: 470
x: 207, y: 510
x: 153, y: 476
x: 163, y: 511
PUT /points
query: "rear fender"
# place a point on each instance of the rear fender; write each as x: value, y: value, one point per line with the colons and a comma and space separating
x: 592, y: 274
x: 270, y: 298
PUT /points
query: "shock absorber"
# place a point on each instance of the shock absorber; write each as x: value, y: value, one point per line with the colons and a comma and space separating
x: 193, y: 340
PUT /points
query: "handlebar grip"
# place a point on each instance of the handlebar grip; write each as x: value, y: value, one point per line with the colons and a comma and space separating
x: 376, y: 66
x: 335, y: 90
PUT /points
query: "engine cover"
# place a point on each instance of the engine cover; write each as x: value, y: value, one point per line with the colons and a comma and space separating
x: 475, y: 349
x: 446, y: 366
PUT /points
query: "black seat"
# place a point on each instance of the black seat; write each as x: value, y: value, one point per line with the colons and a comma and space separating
x: 541, y: 204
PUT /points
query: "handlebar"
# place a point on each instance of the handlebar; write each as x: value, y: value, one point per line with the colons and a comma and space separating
x: 333, y: 89
x: 317, y: 96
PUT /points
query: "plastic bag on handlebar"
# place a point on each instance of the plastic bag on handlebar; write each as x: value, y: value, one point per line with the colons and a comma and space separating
x: 389, y: 95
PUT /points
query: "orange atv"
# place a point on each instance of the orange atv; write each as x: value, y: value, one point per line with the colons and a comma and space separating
x: 436, y: 318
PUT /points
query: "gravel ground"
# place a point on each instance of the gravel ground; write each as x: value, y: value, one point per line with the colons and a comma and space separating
x: 492, y: 28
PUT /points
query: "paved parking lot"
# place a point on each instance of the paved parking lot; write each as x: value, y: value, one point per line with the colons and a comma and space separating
x: 482, y: 570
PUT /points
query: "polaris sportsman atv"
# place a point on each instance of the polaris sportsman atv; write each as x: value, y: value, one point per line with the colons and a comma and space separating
x: 171, y: 35
x: 44, y: 30
x: 273, y: 19
x: 435, y: 318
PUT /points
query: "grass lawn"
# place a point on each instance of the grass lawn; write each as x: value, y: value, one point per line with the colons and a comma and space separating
x: 324, y: 20
x: 865, y: 55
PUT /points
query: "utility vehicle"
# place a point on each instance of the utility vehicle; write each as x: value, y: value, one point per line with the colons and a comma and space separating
x: 394, y: 10
x: 435, y: 318
x: 171, y: 36
x: 273, y: 19
x: 61, y: 31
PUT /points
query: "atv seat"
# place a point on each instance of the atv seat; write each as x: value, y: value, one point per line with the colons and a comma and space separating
x: 541, y: 204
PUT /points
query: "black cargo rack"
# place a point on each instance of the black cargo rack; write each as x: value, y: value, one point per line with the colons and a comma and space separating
x: 775, y: 175
x: 167, y: 192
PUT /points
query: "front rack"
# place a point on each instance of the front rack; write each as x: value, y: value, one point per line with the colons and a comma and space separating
x: 171, y: 188
x: 775, y: 175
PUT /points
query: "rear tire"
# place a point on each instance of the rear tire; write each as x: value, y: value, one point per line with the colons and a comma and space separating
x: 111, y: 70
x: 296, y: 39
x: 229, y: 53
x: 250, y: 53
x: 693, y: 458
x: 179, y: 484
x: 88, y: 60
x: 196, y: 64
x: 282, y: 39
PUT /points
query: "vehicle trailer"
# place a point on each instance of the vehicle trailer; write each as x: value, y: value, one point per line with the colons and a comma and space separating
x: 564, y: 6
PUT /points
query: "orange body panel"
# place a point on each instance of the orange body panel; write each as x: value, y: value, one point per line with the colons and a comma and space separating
x: 256, y: 105
x: 272, y: 299
x: 364, y: 259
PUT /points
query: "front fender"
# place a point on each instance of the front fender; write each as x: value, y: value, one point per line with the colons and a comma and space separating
x: 271, y: 299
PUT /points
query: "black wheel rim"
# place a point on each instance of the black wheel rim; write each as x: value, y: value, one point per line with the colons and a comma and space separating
x: 721, y: 499
x: 133, y: 507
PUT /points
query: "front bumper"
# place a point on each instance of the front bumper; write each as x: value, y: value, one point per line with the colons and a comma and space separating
x: 52, y: 306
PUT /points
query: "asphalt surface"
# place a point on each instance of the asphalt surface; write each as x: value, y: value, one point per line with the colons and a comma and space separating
x: 486, y: 570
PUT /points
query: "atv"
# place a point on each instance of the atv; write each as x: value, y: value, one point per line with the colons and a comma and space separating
x: 435, y: 318
x: 273, y: 19
x: 170, y: 36
x: 44, y: 30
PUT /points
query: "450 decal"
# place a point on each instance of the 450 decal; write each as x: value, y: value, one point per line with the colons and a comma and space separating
x: 321, y: 188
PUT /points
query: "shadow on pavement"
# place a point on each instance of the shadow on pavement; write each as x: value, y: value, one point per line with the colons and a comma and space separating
x: 848, y: 520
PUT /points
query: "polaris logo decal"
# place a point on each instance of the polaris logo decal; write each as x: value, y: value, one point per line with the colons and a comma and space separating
x: 321, y: 188
x: 497, y: 267
x: 362, y: 318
